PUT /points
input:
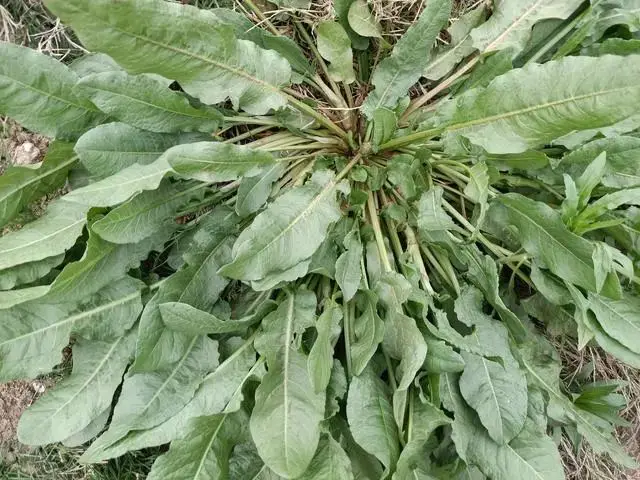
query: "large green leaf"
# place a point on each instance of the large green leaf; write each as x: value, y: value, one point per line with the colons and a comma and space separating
x: 34, y: 82
x: 182, y: 43
x: 220, y: 391
x: 77, y: 400
x: 286, y: 233
x: 330, y: 461
x: 619, y: 318
x: 20, y: 186
x: 348, y: 268
x: 143, y: 102
x: 544, y: 236
x: 512, y: 20
x: 215, y: 161
x: 28, y: 272
x: 203, y: 452
x: 253, y: 192
x: 110, y: 148
x: 368, y: 331
x: 334, y: 45
x: 43, y: 330
x: 393, y: 77
x: 370, y: 417
x: 320, y: 361
x: 562, y: 96
x: 530, y: 456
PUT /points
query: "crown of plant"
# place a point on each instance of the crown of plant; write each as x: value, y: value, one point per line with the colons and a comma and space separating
x: 307, y: 248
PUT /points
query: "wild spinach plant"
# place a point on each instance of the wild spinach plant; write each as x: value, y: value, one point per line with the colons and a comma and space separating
x: 304, y: 249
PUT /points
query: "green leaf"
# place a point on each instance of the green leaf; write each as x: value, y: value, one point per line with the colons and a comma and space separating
x: 19, y: 186
x: 348, y: 269
x: 45, y: 85
x: 478, y: 189
x: 362, y: 21
x: 143, y: 102
x: 146, y: 213
x: 441, y: 358
x: 530, y: 456
x: 341, y: 7
x: 335, y: 47
x: 619, y: 318
x: 43, y: 329
x: 431, y: 215
x: 540, y: 360
x: 545, y: 237
x: 220, y: 391
x: 77, y: 400
x: 299, y: 217
x: 294, y: 4
x: 285, y: 422
x: 385, y: 124
x: 216, y: 162
x: 28, y: 272
x: 368, y: 331
x: 184, y: 318
x: 511, y: 22
x: 254, y: 191
x: 90, y: 431
x: 204, y: 450
x: 110, y: 148
x: 557, y: 103
x: 168, y: 39
x: 393, y: 77
x: 370, y: 417
x: 330, y: 461
x: 320, y: 362
x: 443, y: 59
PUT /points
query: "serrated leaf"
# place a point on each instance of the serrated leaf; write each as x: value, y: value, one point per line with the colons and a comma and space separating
x: 348, y: 270
x: 254, y: 191
x: 34, y: 82
x: 215, y: 161
x: 146, y: 213
x: 368, y: 331
x: 556, y: 103
x: 143, y: 102
x: 44, y: 329
x: 532, y: 455
x: 335, y: 47
x: 74, y: 402
x: 545, y: 237
x: 362, y: 21
x: 299, y: 217
x: 393, y: 77
x: 285, y: 422
x: 370, y: 416
x: 21, y: 185
x: 184, y: 318
x: 443, y: 59
x: 167, y: 39
x: 220, y: 391
x: 511, y: 22
x: 320, y: 362
x: 110, y: 148
x: 204, y: 450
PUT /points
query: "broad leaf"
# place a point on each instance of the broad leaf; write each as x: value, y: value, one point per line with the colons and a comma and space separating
x: 169, y: 39
x: 299, y: 218
x: 254, y: 191
x: 77, y: 400
x: 362, y: 21
x: 330, y: 461
x: 368, y: 331
x: 619, y: 318
x: 34, y: 82
x: 334, y: 45
x: 320, y: 362
x: 348, y: 268
x: 557, y: 102
x: 28, y: 272
x: 395, y: 74
x: 143, y: 102
x: 431, y: 215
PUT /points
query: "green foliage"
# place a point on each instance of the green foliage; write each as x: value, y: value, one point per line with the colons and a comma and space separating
x: 281, y: 279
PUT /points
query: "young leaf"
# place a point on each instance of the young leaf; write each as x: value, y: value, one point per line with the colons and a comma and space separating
x: 20, y: 185
x: 254, y: 191
x: 299, y: 217
x: 167, y: 40
x: 362, y: 21
x: 320, y: 362
x: 204, y: 450
x: 348, y: 269
x: 385, y: 124
x: 335, y: 47
x: 509, y: 27
x: 45, y: 85
x: 216, y: 162
x: 72, y: 404
x: 395, y: 74
x: 143, y: 102
x: 371, y: 418
x: 556, y: 103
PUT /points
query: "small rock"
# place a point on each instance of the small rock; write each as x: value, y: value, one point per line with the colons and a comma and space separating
x: 25, y: 154
x: 38, y: 387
